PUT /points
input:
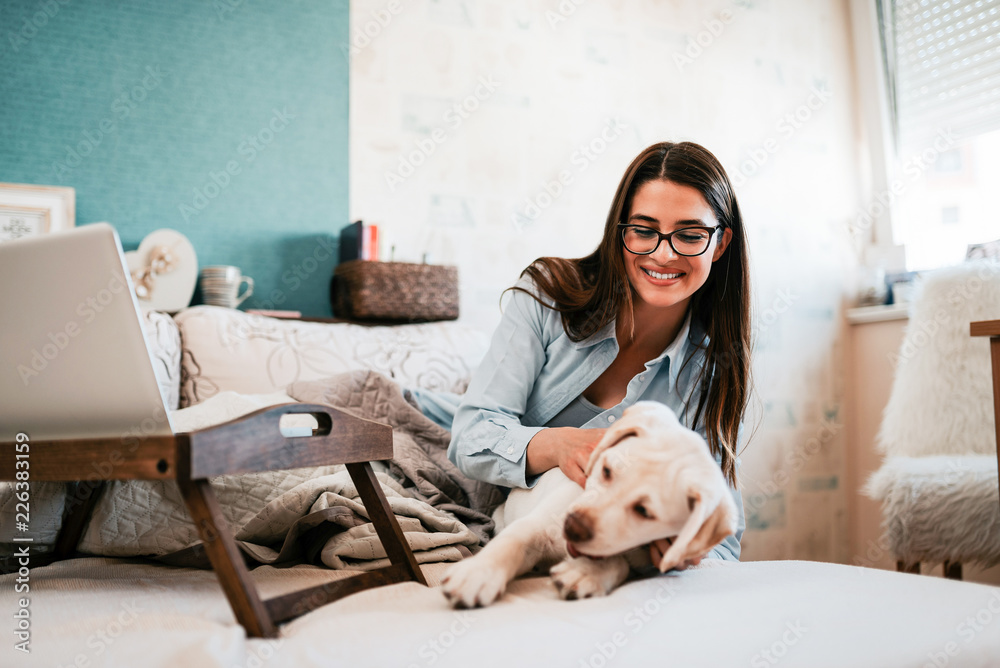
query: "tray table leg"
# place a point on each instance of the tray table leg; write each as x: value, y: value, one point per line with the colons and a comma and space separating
x: 227, y: 561
x: 82, y: 502
x: 396, y: 547
x: 995, y: 359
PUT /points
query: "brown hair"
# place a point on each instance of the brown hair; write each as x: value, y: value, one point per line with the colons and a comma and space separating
x: 592, y: 291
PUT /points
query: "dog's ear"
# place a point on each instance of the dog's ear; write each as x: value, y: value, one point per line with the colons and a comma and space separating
x: 635, y: 421
x: 614, y: 435
x: 712, y: 519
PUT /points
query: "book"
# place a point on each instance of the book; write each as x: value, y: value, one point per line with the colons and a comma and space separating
x: 371, y: 250
x: 351, y: 239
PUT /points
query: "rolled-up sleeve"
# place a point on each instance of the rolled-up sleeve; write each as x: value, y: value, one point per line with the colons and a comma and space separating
x: 488, y: 441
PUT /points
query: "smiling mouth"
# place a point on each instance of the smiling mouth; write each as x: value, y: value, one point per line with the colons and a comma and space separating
x: 662, y: 277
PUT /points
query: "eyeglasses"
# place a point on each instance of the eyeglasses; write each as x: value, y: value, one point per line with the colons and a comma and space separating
x: 687, y: 241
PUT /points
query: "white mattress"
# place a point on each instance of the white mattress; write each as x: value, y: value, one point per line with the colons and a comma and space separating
x: 103, y: 612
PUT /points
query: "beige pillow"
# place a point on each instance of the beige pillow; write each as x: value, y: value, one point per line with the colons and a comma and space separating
x: 226, y: 349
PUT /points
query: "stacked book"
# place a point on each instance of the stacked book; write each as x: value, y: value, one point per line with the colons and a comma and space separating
x: 359, y: 241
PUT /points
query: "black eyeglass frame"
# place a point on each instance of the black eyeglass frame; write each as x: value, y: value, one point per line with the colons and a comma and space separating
x: 668, y: 236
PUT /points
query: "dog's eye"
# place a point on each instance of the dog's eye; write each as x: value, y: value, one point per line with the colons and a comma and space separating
x: 642, y: 511
x: 606, y: 472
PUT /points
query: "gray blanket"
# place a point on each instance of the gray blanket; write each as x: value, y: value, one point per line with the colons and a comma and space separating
x: 309, y: 514
x: 420, y: 461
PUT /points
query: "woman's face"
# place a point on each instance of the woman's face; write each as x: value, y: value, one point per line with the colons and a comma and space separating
x: 664, y: 279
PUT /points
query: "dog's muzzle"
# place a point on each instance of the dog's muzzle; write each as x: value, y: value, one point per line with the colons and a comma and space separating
x: 577, y: 528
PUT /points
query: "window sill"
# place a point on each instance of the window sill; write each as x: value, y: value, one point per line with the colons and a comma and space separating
x: 880, y: 313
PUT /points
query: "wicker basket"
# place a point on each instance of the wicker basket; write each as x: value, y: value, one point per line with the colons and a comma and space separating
x: 394, y: 291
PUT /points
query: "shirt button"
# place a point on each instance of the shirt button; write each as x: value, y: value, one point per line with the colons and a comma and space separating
x: 611, y: 418
x: 510, y: 451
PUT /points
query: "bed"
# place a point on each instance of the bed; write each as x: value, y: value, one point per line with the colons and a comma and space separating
x: 127, y: 611
x: 107, y: 612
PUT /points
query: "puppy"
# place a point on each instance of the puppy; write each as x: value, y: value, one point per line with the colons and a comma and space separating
x: 648, y: 478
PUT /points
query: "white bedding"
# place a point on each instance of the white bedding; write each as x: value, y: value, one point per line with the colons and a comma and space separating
x: 102, y: 612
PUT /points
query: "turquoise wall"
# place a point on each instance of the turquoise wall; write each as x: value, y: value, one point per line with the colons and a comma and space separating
x: 224, y: 120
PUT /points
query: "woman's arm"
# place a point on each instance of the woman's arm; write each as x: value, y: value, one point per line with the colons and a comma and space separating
x: 488, y: 440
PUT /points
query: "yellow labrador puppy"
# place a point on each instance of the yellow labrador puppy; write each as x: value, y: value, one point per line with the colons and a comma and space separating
x: 648, y: 478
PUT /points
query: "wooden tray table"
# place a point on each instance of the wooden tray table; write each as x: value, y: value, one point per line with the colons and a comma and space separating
x: 249, y: 444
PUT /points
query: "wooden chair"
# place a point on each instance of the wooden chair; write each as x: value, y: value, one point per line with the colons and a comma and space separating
x: 248, y: 444
x: 991, y: 328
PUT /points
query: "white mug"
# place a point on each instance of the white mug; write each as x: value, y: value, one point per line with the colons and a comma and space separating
x: 220, y: 286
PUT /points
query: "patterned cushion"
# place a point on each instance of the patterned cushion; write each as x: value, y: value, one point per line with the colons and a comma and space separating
x: 226, y: 349
x: 164, y: 342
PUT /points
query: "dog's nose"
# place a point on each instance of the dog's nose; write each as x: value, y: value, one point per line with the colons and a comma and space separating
x: 578, y: 528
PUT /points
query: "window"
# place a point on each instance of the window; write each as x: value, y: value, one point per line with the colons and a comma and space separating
x: 942, y: 68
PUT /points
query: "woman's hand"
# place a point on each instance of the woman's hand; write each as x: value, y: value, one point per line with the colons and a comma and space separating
x: 568, y: 448
x: 658, y: 548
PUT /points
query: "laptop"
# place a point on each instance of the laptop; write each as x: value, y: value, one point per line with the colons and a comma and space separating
x: 73, y: 358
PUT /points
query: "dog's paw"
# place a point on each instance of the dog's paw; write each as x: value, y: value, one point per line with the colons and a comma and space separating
x: 582, y: 577
x: 473, y: 583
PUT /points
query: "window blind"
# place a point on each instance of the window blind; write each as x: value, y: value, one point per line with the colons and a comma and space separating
x: 946, y: 57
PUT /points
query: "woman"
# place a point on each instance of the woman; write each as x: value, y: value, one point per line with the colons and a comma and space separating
x: 660, y: 311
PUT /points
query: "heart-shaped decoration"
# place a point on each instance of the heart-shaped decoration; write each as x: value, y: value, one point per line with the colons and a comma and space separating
x: 164, y: 271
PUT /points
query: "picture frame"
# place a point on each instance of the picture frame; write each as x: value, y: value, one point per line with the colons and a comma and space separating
x: 28, y: 210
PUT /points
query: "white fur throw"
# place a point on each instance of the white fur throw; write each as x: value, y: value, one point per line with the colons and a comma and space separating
x: 940, y: 508
x: 942, y: 396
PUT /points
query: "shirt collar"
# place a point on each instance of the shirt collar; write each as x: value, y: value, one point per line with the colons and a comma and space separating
x: 674, y: 350
x: 604, y: 333
x: 676, y: 347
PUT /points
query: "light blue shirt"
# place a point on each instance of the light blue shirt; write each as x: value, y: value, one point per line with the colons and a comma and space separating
x: 533, y: 371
